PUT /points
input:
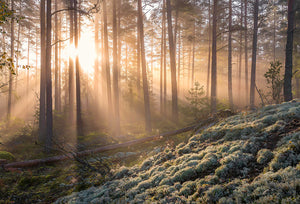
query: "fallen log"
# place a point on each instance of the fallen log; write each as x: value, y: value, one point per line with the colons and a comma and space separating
x: 36, y: 162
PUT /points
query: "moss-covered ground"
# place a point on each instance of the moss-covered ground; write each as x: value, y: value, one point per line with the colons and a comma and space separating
x: 252, y: 157
x: 45, y: 184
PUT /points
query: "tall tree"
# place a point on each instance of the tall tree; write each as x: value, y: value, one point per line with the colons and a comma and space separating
x: 97, y: 50
x: 77, y: 65
x: 287, y: 90
x: 71, y: 64
x: 144, y: 69
x: 56, y: 71
x: 138, y: 52
x: 254, y: 48
x: 240, y: 52
x: 172, y: 63
x: 116, y: 72
x: 209, y: 47
x: 230, y: 56
x: 42, y: 116
x: 246, y: 50
x: 162, y: 58
x: 12, y: 53
x: 106, y: 56
x: 49, y: 119
x: 214, y: 60
x: 165, y: 57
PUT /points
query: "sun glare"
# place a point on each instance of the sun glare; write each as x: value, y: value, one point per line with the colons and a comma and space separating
x: 85, y: 51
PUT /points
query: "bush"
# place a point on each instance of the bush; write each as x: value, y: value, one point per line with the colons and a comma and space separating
x: 275, y: 81
x: 199, y: 104
x: 7, y: 155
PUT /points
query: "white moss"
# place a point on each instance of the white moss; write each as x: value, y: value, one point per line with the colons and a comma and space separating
x: 264, y: 156
x: 202, y: 172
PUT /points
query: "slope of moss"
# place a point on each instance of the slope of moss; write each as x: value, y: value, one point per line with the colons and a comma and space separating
x: 250, y: 157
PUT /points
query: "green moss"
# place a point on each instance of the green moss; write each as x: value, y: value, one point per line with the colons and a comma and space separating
x: 7, y: 155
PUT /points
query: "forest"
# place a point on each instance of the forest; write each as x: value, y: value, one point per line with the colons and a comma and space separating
x: 150, y: 101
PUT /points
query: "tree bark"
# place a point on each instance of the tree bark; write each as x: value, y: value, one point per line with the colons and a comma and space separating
x: 144, y: 69
x: 172, y: 63
x: 287, y: 89
x: 254, y: 48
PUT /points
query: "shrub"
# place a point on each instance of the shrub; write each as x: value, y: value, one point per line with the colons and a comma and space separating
x: 7, y: 155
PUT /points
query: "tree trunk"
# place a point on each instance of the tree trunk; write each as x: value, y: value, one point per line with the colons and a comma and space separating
x: 162, y: 59
x: 193, y: 51
x: 240, y: 54
x: 193, y: 55
x: 18, y: 49
x: 36, y: 57
x: 28, y: 59
x: 246, y: 52
x: 78, y: 87
x: 116, y: 72
x: 254, y: 47
x: 172, y: 63
x: 97, y: 50
x: 287, y: 90
x: 178, y: 58
x: 230, y: 56
x: 49, y: 119
x: 59, y: 62
x: 106, y: 57
x: 56, y: 60
x: 138, y: 67
x: 12, y: 54
x: 274, y: 31
x: 144, y: 71
x: 214, y: 60
x: 209, y: 51
x: 42, y: 116
x: 71, y: 66
x: 119, y: 5
x: 165, y: 58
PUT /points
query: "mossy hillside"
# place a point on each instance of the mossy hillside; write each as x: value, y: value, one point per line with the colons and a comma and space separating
x: 250, y: 157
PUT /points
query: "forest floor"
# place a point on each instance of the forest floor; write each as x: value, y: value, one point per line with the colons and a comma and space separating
x: 249, y: 157
x: 46, y: 183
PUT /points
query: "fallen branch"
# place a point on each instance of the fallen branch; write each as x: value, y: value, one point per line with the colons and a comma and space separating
x: 36, y: 162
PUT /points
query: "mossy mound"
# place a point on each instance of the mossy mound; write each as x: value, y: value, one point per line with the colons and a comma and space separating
x: 253, y: 157
x: 7, y: 156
